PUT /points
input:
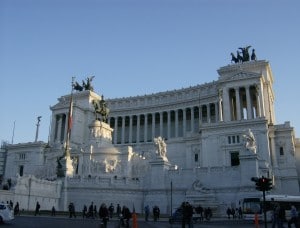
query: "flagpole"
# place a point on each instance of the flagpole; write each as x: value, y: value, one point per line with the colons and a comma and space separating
x: 70, y: 116
x: 68, y: 162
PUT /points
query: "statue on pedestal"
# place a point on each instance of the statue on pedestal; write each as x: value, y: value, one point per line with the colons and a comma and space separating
x: 161, y: 148
x: 101, y: 108
x: 250, y: 142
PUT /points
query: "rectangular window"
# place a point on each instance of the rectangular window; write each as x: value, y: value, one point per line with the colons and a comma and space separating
x: 233, y: 139
x: 196, y: 157
x: 281, y: 151
x: 21, y: 170
x: 234, y: 157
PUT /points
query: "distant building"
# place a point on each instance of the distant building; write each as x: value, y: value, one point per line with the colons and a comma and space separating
x: 2, y: 159
x: 210, y: 140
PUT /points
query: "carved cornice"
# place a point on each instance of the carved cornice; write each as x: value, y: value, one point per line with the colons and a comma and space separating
x: 163, y: 99
x: 250, y: 66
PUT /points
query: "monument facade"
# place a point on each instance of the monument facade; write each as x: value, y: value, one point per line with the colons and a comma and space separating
x: 200, y: 144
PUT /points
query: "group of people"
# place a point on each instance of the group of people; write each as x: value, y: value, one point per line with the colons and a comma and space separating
x: 107, y: 212
x: 202, y: 213
x: 191, y: 214
x: 155, y: 213
x: 92, y: 211
x: 234, y: 213
x: 279, y: 217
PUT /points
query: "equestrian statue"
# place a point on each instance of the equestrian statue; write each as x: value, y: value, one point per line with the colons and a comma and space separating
x: 101, y: 108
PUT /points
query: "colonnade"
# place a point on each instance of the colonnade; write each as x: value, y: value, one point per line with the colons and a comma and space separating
x: 242, y: 103
x: 60, y: 127
x: 232, y: 104
x: 141, y: 128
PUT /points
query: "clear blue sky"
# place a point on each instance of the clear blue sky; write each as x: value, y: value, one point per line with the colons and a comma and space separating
x: 136, y: 47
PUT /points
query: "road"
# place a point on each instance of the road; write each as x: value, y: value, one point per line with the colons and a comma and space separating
x: 64, y: 222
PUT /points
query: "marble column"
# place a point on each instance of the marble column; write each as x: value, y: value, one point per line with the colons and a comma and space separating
x: 161, y: 124
x: 130, y: 129
x: 146, y: 128
x: 116, y: 131
x: 184, y: 122
x: 176, y: 123
x: 208, y: 113
x: 123, y: 130
x: 138, y: 123
x: 249, y: 103
x: 238, y: 103
x: 153, y: 126
x: 192, y: 120
x: 169, y: 124
x: 226, y: 106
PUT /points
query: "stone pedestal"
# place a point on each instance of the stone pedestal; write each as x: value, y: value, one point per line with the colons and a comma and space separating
x: 249, y: 167
x: 159, y: 169
x: 100, y: 133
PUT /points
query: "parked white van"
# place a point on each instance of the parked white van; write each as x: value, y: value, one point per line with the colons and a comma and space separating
x: 6, y: 213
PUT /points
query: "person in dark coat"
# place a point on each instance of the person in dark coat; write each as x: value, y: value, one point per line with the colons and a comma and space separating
x: 187, y: 214
x: 16, y: 209
x: 103, y: 214
x: 126, y: 215
x: 37, y: 208
x: 72, y: 210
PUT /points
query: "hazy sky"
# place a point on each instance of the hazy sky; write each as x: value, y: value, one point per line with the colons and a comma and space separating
x: 136, y: 47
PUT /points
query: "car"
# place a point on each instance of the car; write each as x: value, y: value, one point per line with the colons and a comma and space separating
x: 6, y: 213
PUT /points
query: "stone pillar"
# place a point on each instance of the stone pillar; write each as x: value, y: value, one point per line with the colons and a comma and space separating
x: 116, y: 131
x: 262, y: 106
x: 208, y: 113
x: 123, y: 130
x: 192, y: 120
x: 258, y: 114
x: 200, y: 115
x: 220, y: 99
x: 220, y: 110
x: 184, y: 122
x: 216, y: 111
x: 249, y: 105
x: 226, y: 105
x: 176, y: 123
x: 59, y: 126
x: 238, y: 103
x: 161, y: 123
x: 153, y: 126
x: 146, y: 128
x: 130, y: 129
x: 138, y: 128
x: 55, y: 127
x: 169, y: 124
